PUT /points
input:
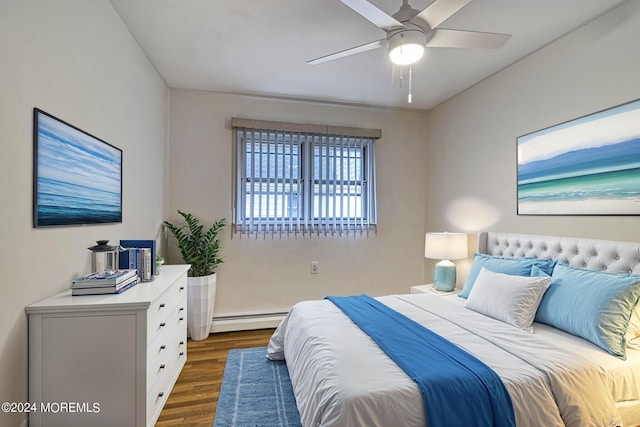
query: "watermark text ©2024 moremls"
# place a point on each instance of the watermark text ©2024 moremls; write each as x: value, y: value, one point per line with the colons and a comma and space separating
x: 51, y: 407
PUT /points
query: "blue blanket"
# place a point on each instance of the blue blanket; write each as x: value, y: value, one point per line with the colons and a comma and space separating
x: 457, y: 388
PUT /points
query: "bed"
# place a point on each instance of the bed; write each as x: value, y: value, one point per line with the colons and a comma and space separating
x: 341, y: 377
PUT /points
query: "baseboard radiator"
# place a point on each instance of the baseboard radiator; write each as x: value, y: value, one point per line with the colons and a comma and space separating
x: 246, y: 322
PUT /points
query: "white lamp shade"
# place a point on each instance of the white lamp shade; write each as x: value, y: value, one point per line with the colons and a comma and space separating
x: 406, y: 47
x: 445, y: 246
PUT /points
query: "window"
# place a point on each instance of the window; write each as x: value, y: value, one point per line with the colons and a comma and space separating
x: 293, y: 179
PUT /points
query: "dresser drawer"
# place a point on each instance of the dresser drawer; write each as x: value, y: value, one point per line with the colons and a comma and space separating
x: 158, y: 362
x: 174, y: 357
x: 158, y: 396
x: 167, y: 344
x: 163, y: 306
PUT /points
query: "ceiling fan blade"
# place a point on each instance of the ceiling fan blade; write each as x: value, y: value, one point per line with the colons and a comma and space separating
x: 438, y: 11
x: 376, y: 16
x: 354, y: 50
x: 467, y: 39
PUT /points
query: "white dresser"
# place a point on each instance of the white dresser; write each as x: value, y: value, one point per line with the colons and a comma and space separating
x: 108, y: 360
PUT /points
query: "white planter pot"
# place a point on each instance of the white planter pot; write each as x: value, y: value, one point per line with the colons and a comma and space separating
x: 201, y: 297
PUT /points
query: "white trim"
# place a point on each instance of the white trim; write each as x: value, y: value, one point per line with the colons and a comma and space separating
x: 246, y: 322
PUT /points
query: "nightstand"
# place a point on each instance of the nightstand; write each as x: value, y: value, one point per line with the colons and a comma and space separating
x: 428, y: 288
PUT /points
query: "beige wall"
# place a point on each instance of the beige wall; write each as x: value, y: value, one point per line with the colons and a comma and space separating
x: 472, y: 137
x: 76, y: 60
x: 269, y: 275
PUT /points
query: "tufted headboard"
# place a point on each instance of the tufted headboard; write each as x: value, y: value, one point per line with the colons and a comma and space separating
x: 591, y: 254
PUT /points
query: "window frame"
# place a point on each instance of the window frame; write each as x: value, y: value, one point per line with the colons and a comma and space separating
x: 308, y: 139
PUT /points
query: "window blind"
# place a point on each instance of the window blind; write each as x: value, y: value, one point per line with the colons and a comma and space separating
x: 303, y: 180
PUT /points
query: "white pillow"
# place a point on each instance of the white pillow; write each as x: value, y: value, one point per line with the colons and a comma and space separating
x: 510, y: 299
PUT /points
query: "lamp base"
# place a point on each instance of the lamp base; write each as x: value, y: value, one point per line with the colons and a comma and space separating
x: 444, y: 276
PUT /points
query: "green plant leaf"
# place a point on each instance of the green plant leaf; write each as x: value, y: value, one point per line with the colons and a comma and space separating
x: 198, y: 246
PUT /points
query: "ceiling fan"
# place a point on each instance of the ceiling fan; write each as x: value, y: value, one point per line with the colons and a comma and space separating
x: 410, y: 31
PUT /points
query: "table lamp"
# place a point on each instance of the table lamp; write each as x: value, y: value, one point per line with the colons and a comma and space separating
x: 445, y: 247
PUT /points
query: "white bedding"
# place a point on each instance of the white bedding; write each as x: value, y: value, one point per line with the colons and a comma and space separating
x: 348, y: 381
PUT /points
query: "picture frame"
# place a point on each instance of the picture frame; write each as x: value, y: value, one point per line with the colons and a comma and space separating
x: 77, y: 177
x: 586, y: 166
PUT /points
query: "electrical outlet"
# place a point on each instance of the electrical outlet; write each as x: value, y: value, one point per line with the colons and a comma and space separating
x: 314, y: 267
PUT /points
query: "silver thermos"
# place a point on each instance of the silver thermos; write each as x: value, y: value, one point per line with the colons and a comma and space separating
x: 104, y: 257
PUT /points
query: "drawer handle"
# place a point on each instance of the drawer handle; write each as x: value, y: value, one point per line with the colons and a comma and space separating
x: 181, y: 319
x: 181, y: 309
x: 181, y: 289
x: 182, y: 353
x: 162, y: 366
x: 181, y: 342
x: 162, y: 347
x: 162, y: 305
x: 161, y: 394
x: 162, y: 325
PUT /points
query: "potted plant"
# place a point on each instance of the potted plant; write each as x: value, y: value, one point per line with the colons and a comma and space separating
x: 199, y: 247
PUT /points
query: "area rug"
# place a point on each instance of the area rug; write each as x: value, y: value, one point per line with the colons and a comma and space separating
x: 255, y: 392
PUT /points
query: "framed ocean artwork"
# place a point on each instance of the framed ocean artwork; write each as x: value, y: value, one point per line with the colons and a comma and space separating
x: 586, y: 166
x: 77, y: 178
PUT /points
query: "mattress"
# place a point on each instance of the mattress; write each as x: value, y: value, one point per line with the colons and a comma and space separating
x: 341, y: 378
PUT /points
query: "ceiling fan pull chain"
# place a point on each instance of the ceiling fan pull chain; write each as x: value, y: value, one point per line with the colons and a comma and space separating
x: 401, y: 76
x: 410, y: 72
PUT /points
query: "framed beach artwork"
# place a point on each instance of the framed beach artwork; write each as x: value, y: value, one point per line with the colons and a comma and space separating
x: 77, y: 178
x: 586, y: 166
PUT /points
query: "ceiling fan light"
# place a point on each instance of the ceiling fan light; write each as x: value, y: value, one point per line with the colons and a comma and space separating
x: 406, y: 47
x: 406, y: 54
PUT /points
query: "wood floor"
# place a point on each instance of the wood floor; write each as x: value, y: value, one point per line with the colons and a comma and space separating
x: 192, y: 402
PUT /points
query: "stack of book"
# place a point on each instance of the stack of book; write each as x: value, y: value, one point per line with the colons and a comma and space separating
x: 105, y: 282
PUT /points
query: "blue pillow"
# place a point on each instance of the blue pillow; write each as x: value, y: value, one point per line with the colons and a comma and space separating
x: 504, y: 265
x: 592, y: 305
x: 538, y: 272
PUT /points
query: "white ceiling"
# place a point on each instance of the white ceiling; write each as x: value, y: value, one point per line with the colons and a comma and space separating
x: 261, y: 47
